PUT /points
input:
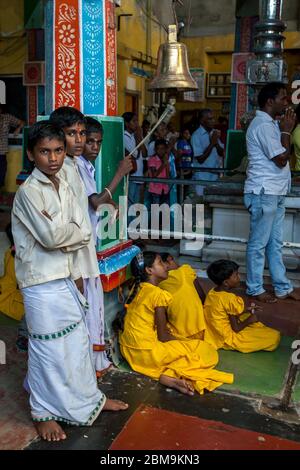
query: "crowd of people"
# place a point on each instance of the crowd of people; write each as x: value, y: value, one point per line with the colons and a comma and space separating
x: 169, y: 154
x: 170, y: 330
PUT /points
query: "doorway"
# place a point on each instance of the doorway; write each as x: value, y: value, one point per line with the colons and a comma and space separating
x: 132, y: 102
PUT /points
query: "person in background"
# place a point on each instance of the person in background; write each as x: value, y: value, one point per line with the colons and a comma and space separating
x: 222, y: 126
x: 146, y: 126
x: 185, y: 153
x: 172, y: 133
x: 6, y: 122
x: 268, y: 182
x: 208, y: 149
x: 132, y: 137
x: 160, y: 134
x: 159, y: 167
x: 296, y: 140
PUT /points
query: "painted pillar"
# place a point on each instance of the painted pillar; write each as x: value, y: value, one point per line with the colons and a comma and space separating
x: 241, y: 92
x: 81, y: 64
x: 34, y: 75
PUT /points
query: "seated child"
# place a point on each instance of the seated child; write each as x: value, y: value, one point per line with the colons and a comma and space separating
x: 149, y: 347
x: 185, y: 313
x: 11, y: 301
x: 229, y: 324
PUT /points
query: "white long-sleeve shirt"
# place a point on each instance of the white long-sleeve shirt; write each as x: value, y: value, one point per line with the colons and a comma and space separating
x: 46, y: 246
x: 87, y: 257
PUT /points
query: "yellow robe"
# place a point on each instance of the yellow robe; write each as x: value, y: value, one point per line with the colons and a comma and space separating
x: 185, y: 313
x: 11, y: 300
x: 189, y: 359
x: 217, y: 310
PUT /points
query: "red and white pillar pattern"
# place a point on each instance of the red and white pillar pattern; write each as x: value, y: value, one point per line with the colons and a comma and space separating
x: 81, y: 56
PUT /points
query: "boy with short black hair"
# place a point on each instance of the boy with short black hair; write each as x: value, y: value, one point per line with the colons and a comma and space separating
x: 94, y: 137
x: 49, y: 228
x: 73, y: 124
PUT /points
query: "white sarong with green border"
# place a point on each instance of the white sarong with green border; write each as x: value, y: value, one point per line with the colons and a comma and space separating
x: 61, y: 376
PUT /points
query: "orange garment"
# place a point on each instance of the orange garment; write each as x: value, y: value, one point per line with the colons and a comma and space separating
x: 191, y: 359
x: 218, y: 308
x: 185, y: 313
x: 11, y: 300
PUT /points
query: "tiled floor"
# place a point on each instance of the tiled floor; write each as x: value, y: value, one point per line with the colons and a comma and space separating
x: 260, y: 374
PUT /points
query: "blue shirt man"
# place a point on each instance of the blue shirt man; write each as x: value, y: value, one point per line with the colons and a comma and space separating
x: 208, y: 149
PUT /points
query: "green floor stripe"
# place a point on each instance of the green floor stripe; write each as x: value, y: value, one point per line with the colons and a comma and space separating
x: 259, y: 373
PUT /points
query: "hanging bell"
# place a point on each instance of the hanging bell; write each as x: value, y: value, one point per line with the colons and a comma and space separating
x: 173, y: 73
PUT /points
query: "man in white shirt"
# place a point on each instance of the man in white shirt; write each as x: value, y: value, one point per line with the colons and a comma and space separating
x: 268, y: 181
x: 208, y: 149
x: 132, y: 137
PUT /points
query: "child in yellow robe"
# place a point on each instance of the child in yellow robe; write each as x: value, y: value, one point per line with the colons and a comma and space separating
x: 185, y: 313
x: 11, y: 300
x: 229, y: 325
x: 149, y: 347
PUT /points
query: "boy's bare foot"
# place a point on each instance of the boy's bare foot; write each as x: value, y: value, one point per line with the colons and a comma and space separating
x: 50, y: 431
x: 265, y: 298
x: 183, y: 386
x: 293, y: 295
x: 115, y: 405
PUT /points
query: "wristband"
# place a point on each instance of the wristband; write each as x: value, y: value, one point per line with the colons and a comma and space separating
x: 287, y: 133
x: 109, y: 192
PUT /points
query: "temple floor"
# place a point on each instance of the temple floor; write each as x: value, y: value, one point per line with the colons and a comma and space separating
x: 215, y: 420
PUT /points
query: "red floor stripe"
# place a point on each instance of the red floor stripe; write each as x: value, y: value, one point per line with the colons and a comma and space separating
x: 154, y: 429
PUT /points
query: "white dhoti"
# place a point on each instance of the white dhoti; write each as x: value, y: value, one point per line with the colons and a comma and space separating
x: 93, y: 293
x: 61, y: 376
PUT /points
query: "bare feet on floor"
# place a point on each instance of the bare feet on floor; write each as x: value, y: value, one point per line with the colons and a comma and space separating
x: 50, y: 431
x: 265, y: 298
x: 115, y: 405
x: 183, y: 386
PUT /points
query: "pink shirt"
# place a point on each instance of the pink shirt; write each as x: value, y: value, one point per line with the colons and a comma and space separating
x: 159, y: 188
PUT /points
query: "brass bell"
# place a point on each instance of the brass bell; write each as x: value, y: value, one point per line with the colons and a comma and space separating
x: 173, y: 71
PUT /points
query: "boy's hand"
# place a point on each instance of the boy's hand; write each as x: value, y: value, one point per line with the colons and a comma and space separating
x: 254, y: 308
x: 125, y: 166
x: 79, y: 285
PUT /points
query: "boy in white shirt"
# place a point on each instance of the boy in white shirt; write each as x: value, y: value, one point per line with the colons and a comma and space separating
x: 72, y: 122
x: 49, y: 230
x: 94, y: 137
